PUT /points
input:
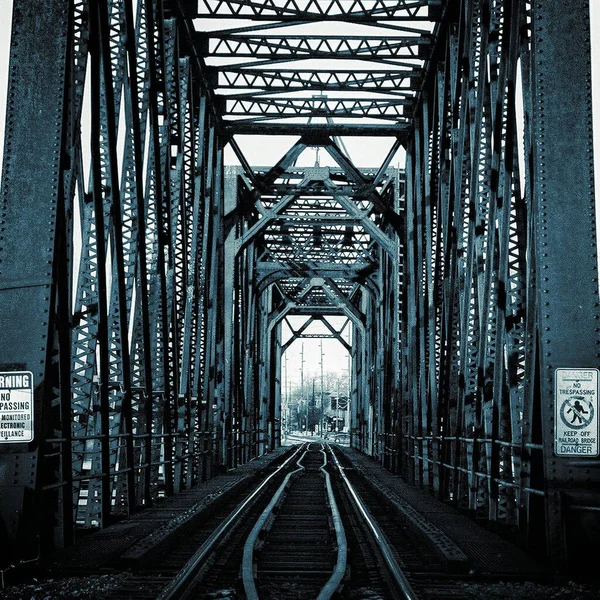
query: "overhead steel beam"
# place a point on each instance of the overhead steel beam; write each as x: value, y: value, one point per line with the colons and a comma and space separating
x: 330, y: 47
x: 371, y: 228
x: 315, y: 269
x: 248, y: 171
x: 286, y: 161
x: 314, y: 312
x: 354, y: 11
x: 367, y: 188
x: 230, y: 127
x: 388, y: 81
x: 381, y: 173
x: 336, y: 294
x: 333, y: 292
x: 299, y: 334
x: 279, y: 107
x: 269, y: 277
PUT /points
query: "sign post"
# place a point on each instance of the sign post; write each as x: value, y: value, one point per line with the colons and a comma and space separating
x: 576, y: 412
x: 16, y: 407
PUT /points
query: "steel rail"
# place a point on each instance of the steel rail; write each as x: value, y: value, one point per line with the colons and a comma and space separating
x: 332, y: 584
x: 182, y: 578
x: 386, y: 551
x: 248, y: 556
x: 329, y: 589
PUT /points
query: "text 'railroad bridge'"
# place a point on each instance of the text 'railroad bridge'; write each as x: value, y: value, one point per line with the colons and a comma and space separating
x: 188, y: 187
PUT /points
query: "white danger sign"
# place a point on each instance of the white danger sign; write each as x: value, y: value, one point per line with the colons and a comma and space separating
x: 576, y: 412
x: 16, y: 407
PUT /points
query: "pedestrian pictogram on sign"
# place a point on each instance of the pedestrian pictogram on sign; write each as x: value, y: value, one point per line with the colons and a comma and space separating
x: 576, y: 420
x: 577, y: 412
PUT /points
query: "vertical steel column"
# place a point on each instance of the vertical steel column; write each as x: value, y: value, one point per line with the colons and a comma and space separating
x: 137, y: 101
x: 275, y: 391
x: 32, y: 187
x: 250, y: 366
x: 203, y: 422
x: 121, y: 307
x: 220, y: 298
x: 264, y: 349
x: 566, y: 259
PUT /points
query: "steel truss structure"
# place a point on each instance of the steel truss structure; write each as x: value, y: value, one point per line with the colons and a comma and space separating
x: 146, y: 285
x: 493, y: 312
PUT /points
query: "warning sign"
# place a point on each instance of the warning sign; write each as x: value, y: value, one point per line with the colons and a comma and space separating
x: 576, y: 412
x: 16, y: 407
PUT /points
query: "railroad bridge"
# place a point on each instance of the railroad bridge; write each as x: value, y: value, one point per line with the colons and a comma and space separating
x: 153, y: 255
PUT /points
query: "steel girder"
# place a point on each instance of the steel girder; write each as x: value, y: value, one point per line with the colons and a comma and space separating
x: 567, y: 298
x: 310, y: 107
x: 276, y: 48
x: 464, y: 327
x: 492, y: 305
x: 259, y: 70
x: 300, y: 333
x: 33, y: 307
x: 362, y: 11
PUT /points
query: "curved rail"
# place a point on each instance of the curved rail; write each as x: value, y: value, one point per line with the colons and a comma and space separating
x: 395, y: 570
x: 247, y: 560
x: 182, y: 578
x: 342, y: 547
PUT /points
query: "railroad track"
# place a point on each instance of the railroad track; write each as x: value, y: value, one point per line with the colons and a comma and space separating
x: 309, y: 531
x: 378, y: 534
x: 193, y: 552
x: 297, y: 549
x: 296, y: 546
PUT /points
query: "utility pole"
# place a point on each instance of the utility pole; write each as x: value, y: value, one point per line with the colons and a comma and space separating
x: 349, y: 392
x: 302, y: 384
x: 286, y: 411
x: 302, y: 372
x: 320, y: 413
x: 288, y: 393
x: 313, y: 407
x: 285, y: 366
x: 337, y: 404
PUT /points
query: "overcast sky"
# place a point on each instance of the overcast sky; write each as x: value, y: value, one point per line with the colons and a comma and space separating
x: 364, y: 151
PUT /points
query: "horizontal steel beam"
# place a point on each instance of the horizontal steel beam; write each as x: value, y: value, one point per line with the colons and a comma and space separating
x: 310, y: 219
x: 394, y: 108
x: 310, y: 46
x: 283, y: 189
x: 388, y: 81
x: 334, y: 172
x: 332, y: 270
x: 355, y: 11
x: 329, y: 129
x: 325, y: 311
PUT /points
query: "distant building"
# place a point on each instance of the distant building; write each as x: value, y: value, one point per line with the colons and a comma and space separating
x: 335, y: 409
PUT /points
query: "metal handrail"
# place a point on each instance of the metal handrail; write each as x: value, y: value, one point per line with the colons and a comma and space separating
x: 181, y: 579
x: 395, y: 570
